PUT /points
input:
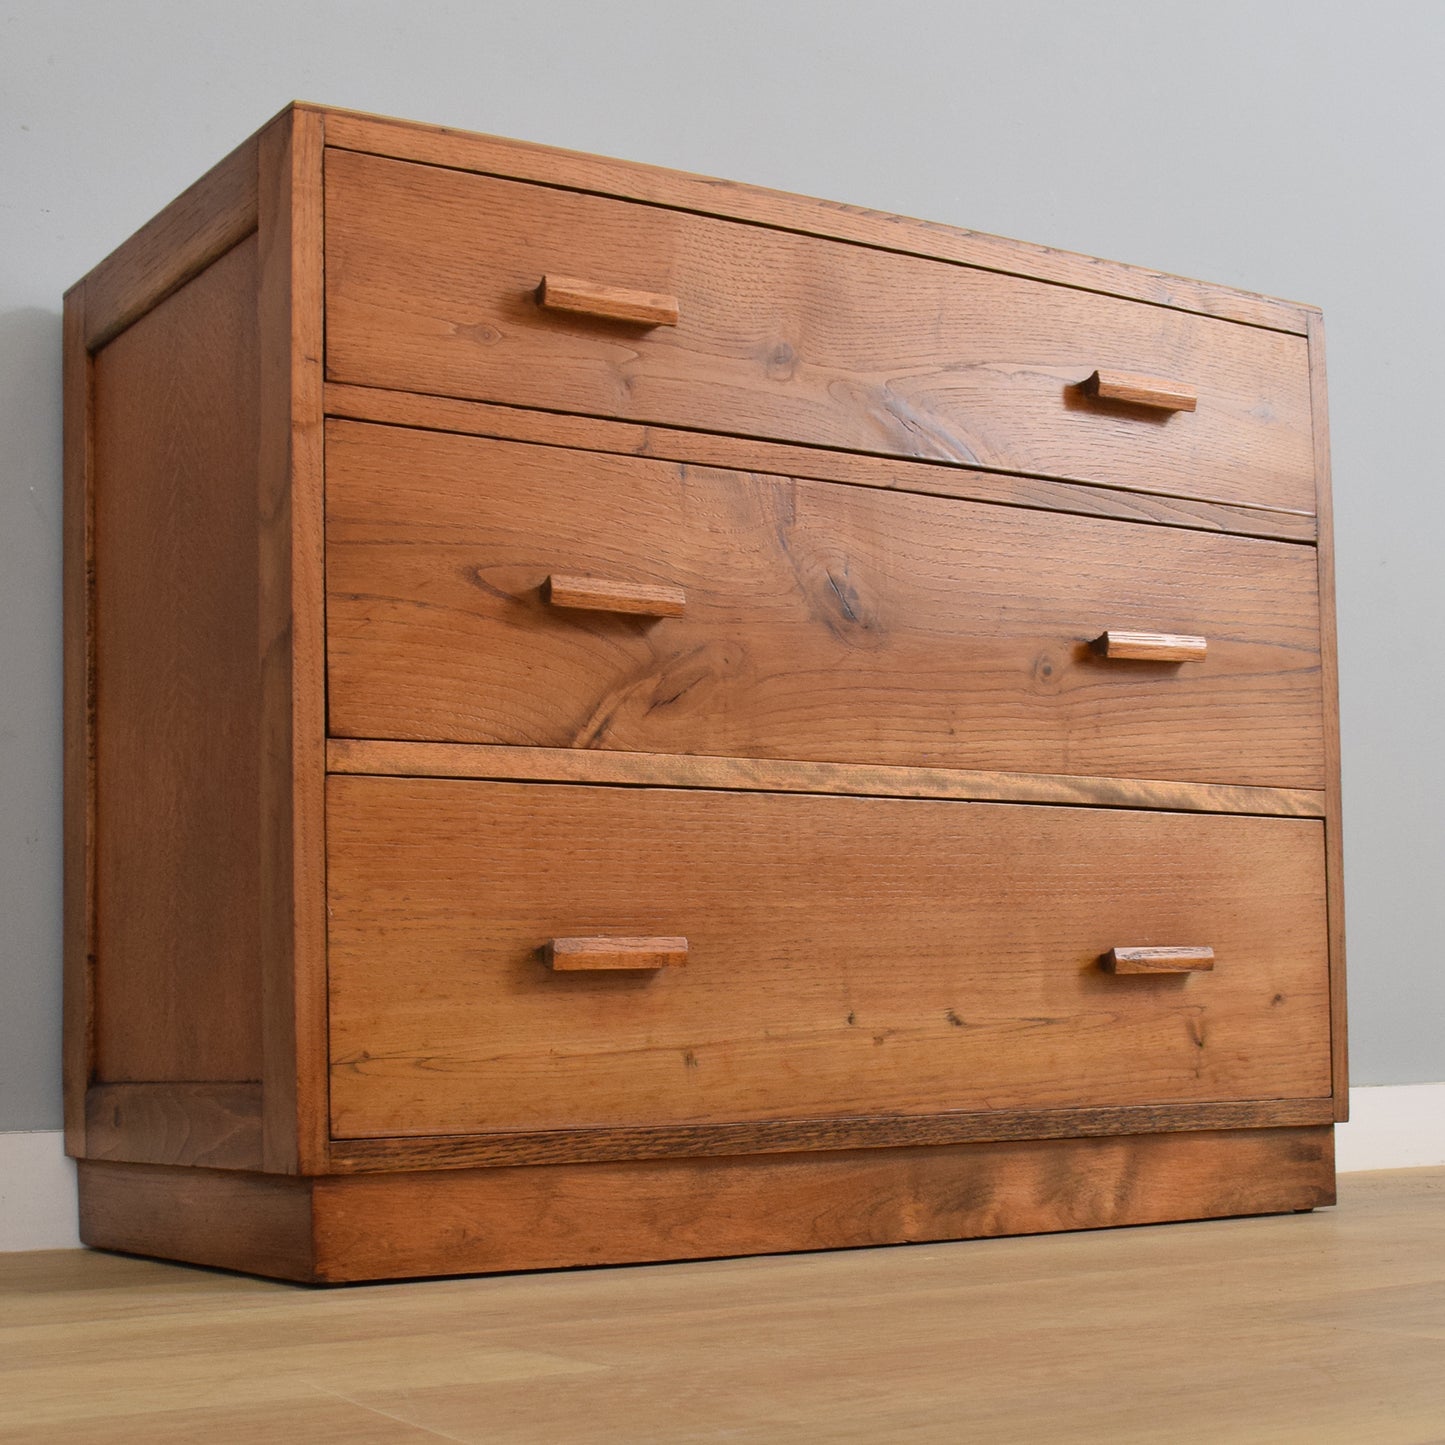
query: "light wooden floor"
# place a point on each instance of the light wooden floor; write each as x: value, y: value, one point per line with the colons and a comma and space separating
x: 1312, y: 1328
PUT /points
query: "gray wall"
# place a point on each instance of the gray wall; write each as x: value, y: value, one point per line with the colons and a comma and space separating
x: 1290, y: 148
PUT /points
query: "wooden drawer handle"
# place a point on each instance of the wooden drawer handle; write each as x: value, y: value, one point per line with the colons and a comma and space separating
x: 610, y: 303
x: 599, y: 952
x: 602, y: 594
x: 1140, y: 390
x: 1158, y: 960
x: 1152, y: 646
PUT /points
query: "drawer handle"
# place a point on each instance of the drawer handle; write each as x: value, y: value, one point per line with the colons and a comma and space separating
x: 569, y: 955
x: 1158, y: 960
x: 1152, y: 646
x: 610, y: 303
x: 1140, y: 391
x: 602, y: 594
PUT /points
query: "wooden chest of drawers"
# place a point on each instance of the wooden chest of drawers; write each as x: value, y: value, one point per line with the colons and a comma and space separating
x: 613, y: 716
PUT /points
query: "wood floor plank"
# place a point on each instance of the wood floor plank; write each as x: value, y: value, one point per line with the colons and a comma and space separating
x: 1323, y: 1329
x: 323, y: 1421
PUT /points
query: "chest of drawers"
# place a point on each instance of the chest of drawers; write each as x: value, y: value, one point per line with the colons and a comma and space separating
x: 613, y: 716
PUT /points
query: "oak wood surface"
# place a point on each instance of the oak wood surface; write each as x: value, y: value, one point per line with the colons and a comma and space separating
x: 176, y: 687
x: 78, y: 547
x: 829, y: 623
x: 1149, y: 391
x: 614, y: 951
x: 611, y: 594
x: 215, y: 1125
x: 1155, y: 959
x: 439, y: 413
x: 571, y: 170
x: 1316, y: 1329
x: 610, y: 303
x: 1152, y: 646
x: 221, y: 1217
x: 379, y: 1226
x: 288, y: 493
x: 431, y: 274
x: 573, y: 765
x: 846, y: 955
x: 1330, y: 681
x: 783, y: 1136
x: 197, y: 228
x: 807, y: 329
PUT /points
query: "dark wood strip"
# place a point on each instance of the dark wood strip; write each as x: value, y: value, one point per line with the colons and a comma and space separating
x: 292, y: 629
x: 1330, y: 682
x: 777, y: 1136
x: 79, y: 714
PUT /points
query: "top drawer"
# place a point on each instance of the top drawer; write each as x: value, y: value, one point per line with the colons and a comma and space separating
x: 432, y: 278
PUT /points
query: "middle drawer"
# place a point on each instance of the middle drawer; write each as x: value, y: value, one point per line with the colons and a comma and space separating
x: 796, y: 619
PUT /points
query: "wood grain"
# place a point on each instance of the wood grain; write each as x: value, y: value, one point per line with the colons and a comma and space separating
x: 288, y: 490
x: 387, y: 1226
x: 1152, y: 647
x: 609, y: 594
x: 826, y: 623
x: 430, y: 275
x: 1184, y: 959
x: 614, y: 952
x: 609, y: 303
x: 1330, y: 684
x: 197, y: 228
x: 176, y: 687
x: 1316, y: 1329
x: 785, y: 1136
x: 809, y: 434
x: 382, y: 1226
x: 223, y: 1218
x: 217, y: 1126
x: 846, y: 956
x: 78, y: 545
x: 571, y: 765
x: 707, y: 195
x: 439, y: 413
x: 1137, y: 390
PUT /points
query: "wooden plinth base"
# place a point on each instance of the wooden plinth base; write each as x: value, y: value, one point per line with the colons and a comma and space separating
x: 339, y: 1228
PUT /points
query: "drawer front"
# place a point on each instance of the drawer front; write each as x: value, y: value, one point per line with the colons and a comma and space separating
x: 817, y: 622
x: 432, y: 281
x: 843, y: 956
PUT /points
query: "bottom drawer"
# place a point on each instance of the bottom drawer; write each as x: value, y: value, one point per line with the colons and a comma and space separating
x: 844, y: 956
